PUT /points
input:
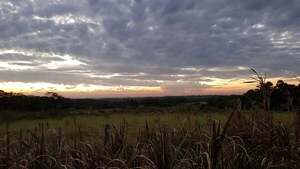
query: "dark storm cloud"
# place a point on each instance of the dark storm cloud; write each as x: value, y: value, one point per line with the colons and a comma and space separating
x: 165, y: 40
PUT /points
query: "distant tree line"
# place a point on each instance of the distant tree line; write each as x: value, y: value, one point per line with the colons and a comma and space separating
x: 53, y: 101
x: 281, y: 96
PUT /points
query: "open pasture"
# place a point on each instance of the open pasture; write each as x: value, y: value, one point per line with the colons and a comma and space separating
x: 94, y: 124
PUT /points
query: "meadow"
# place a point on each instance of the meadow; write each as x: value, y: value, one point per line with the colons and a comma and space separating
x: 95, y: 123
x: 207, y: 140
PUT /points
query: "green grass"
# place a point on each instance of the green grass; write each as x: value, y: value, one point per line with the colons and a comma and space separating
x: 94, y: 125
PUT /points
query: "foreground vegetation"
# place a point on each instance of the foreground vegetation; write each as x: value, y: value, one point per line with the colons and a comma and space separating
x: 242, y: 140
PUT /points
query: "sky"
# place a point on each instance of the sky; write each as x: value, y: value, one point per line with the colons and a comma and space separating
x: 124, y: 48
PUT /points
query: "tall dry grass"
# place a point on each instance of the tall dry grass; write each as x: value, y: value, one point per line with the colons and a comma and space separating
x: 243, y: 142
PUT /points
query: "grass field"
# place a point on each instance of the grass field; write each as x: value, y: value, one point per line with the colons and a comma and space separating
x: 153, y: 140
x: 94, y: 124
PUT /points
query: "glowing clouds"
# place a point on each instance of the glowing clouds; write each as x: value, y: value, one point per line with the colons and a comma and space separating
x: 68, y: 19
x: 21, y: 59
x: 66, y: 61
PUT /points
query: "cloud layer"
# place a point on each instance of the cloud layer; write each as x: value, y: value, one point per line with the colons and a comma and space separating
x: 170, y: 44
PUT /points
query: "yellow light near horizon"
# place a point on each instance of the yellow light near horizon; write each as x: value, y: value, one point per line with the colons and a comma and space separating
x: 216, y: 86
x: 241, y: 81
x: 39, y: 88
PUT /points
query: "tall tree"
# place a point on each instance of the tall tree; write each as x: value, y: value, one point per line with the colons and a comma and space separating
x: 264, y: 86
x: 284, y: 90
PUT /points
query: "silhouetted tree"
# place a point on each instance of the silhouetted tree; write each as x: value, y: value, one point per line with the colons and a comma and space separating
x: 285, y: 94
x: 264, y: 86
x: 54, y: 95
